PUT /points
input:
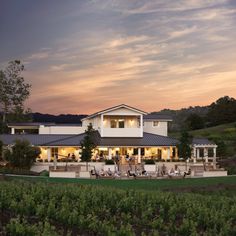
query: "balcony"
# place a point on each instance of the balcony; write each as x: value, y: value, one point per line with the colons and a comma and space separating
x: 122, y: 132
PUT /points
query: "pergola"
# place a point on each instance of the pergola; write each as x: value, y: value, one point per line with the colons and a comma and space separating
x: 203, y: 144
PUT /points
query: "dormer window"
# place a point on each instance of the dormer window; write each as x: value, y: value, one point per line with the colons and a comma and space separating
x: 155, y: 123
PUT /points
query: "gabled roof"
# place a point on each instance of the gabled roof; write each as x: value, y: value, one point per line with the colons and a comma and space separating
x: 114, y: 108
x: 202, y: 141
x: 157, y: 117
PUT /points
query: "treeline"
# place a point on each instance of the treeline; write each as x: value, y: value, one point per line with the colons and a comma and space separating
x: 63, y: 118
x: 221, y: 111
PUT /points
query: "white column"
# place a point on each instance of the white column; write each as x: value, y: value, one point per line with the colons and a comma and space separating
x: 141, y: 125
x: 214, y: 158
x: 49, y: 154
x: 12, y: 130
x: 109, y: 153
x: 168, y: 153
x: 101, y: 128
x: 214, y: 152
x: 198, y: 152
x: 206, y: 154
x: 139, y: 155
x: 194, y: 155
x: 194, y: 152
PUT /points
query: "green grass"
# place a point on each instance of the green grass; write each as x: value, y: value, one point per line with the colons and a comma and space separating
x: 226, y: 131
x: 148, y: 185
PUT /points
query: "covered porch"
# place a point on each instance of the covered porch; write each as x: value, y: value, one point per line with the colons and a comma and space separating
x: 135, y: 154
x: 63, y: 154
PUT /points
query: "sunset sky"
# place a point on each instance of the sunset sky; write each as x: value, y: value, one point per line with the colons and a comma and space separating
x: 83, y: 56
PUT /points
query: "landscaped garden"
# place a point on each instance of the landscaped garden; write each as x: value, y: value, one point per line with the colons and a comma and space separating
x: 45, y: 206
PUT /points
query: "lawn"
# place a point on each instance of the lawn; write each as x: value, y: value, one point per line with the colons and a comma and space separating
x: 209, y: 185
x: 226, y: 131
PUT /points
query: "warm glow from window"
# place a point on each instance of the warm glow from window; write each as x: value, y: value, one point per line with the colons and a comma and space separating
x: 155, y: 123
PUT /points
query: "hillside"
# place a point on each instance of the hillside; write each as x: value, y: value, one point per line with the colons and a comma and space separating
x: 63, y: 118
x: 225, y: 132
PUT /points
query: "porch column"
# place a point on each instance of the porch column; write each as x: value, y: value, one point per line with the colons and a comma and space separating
x: 12, y: 130
x: 194, y: 155
x: 49, y: 154
x: 109, y: 153
x: 168, y: 153
x: 176, y: 153
x: 206, y: 154
x: 214, y: 158
x: 101, y: 128
x: 139, y: 155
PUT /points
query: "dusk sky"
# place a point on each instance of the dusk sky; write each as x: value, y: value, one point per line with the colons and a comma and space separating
x: 87, y: 55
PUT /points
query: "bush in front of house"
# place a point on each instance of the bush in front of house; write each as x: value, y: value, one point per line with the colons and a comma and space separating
x: 109, y: 162
x: 17, y: 171
x: 22, y: 154
x: 149, y: 162
x: 44, y: 173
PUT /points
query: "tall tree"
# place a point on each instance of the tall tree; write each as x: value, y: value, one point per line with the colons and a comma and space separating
x: 194, y: 121
x: 88, y: 144
x: 184, y: 147
x: 13, y: 89
x: 222, y: 111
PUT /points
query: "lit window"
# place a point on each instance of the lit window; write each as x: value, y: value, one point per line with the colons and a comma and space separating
x: 54, y: 152
x: 113, y: 123
x: 155, y: 123
x: 121, y: 123
x: 118, y: 123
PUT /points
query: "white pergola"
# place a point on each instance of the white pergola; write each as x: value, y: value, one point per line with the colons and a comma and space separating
x: 196, y: 152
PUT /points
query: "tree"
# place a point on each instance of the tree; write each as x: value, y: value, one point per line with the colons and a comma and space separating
x: 22, y: 154
x: 184, y: 147
x: 87, y: 144
x: 13, y: 89
x: 221, y: 147
x: 222, y: 111
x: 194, y: 121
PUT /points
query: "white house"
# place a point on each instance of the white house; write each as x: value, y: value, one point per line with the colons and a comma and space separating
x: 119, y: 130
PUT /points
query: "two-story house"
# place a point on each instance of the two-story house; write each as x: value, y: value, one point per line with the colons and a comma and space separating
x: 120, y: 130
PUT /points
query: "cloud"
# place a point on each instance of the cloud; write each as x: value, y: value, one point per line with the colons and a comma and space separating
x: 39, y: 56
x: 149, y: 54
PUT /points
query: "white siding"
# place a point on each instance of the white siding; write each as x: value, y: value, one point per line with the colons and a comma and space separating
x: 161, y: 129
x: 95, y: 121
x: 61, y: 130
x: 121, y: 132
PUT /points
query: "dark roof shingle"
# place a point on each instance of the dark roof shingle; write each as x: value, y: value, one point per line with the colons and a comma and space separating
x: 75, y: 140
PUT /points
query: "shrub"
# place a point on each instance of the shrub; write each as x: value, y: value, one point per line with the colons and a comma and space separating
x: 22, y: 154
x: 17, y: 171
x: 109, y: 162
x: 149, y: 162
x: 44, y: 173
